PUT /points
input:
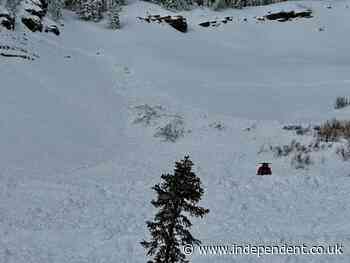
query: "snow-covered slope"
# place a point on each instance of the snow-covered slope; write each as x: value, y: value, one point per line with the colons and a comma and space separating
x: 76, y: 168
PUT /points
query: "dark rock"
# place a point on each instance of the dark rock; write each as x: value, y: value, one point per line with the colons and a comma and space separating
x: 283, y: 19
x: 205, y: 24
x: 317, y: 127
x: 52, y: 29
x: 292, y: 127
x: 33, y: 23
x: 177, y: 22
x: 285, y: 16
x: 39, y: 13
x: 299, y: 130
x: 44, y: 4
x: 38, y: 9
x: 306, y: 14
x: 9, y: 24
x: 7, y: 21
x: 216, y: 23
x: 260, y: 18
x: 16, y: 56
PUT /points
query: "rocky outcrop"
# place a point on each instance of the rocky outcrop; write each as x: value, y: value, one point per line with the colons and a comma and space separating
x: 215, y: 23
x: 35, y: 7
x: 33, y: 23
x: 283, y: 16
x: 12, y: 51
x: 52, y: 29
x: 177, y: 22
x: 7, y: 21
x: 33, y: 14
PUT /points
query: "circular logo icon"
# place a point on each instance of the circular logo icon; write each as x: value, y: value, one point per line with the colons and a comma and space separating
x: 187, y: 250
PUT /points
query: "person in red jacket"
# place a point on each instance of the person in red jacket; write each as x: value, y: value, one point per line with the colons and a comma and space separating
x: 264, y: 169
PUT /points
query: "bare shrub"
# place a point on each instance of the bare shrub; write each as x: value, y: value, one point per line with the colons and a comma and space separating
x: 146, y: 113
x: 344, y: 151
x: 301, y: 153
x: 334, y: 130
x: 217, y: 125
x: 301, y: 160
x: 172, y: 131
x: 341, y: 102
x: 299, y: 130
x: 294, y: 146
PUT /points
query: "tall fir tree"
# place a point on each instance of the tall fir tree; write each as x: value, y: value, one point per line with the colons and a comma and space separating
x: 177, y: 196
x: 55, y: 9
x: 85, y: 10
x: 90, y: 9
x: 114, y: 19
x: 176, y: 5
x: 96, y: 13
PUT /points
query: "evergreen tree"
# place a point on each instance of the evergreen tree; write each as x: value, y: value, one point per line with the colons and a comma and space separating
x: 55, y: 9
x: 96, y: 13
x: 177, y: 194
x: 90, y: 9
x: 114, y: 20
x: 118, y: 2
x: 85, y: 10
x: 176, y: 5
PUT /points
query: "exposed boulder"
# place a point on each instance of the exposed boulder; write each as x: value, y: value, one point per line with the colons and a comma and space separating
x: 35, y: 7
x: 7, y: 21
x: 36, y: 12
x: 216, y: 23
x: 283, y: 16
x: 16, y: 56
x: 205, y: 24
x: 177, y: 22
x: 33, y: 23
x: 52, y: 29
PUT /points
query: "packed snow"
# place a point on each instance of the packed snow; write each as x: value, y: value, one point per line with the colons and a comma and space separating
x: 91, y: 123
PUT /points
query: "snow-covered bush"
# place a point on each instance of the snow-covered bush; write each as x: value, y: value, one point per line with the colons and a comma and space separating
x: 341, y: 102
x: 172, y: 131
x: 334, y: 130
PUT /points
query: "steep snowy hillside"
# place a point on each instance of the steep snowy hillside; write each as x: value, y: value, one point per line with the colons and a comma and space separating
x: 83, y: 115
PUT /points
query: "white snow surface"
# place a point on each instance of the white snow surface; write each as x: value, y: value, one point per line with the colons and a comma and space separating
x: 76, y: 170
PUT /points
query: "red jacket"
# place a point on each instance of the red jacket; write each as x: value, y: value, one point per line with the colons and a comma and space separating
x: 264, y: 170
